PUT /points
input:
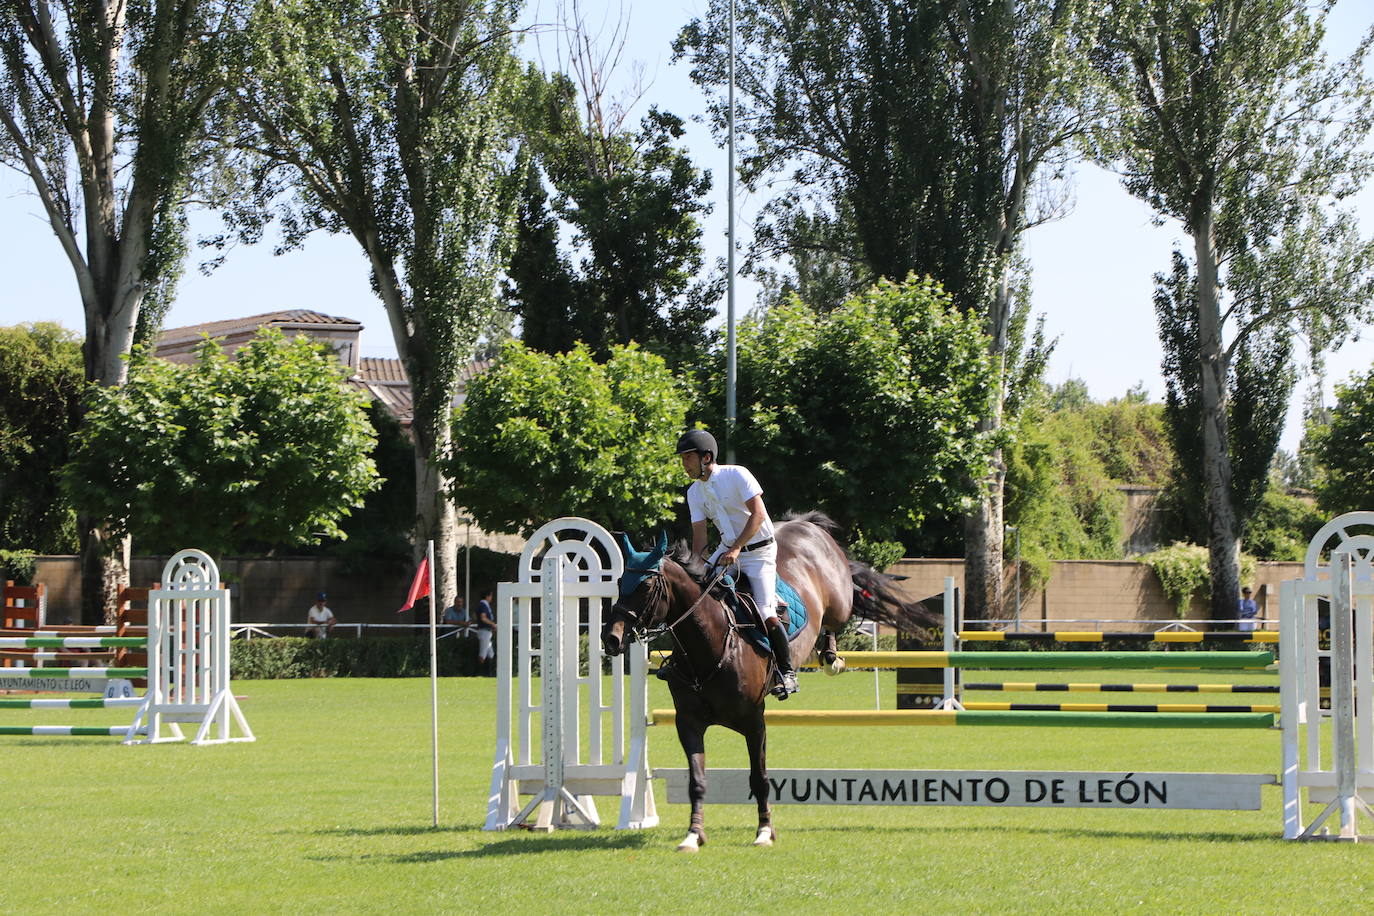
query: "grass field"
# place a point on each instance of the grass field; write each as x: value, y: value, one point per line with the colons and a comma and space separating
x: 329, y: 812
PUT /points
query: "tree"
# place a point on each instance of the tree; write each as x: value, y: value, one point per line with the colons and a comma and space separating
x: 377, y: 537
x: 1341, y: 449
x: 542, y: 436
x: 917, y: 134
x: 105, y: 108
x: 631, y: 203
x: 869, y: 411
x: 395, y: 123
x: 41, y: 385
x: 1065, y: 468
x: 271, y: 448
x: 1227, y: 118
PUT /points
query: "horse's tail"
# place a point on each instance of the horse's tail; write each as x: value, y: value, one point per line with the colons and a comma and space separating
x: 876, y: 598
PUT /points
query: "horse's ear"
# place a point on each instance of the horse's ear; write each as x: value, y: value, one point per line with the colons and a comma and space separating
x: 662, y: 542
x: 625, y: 546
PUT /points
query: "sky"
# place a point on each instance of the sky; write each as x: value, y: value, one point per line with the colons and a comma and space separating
x: 1092, y: 270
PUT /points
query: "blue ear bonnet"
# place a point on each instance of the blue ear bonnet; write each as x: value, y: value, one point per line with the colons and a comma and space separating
x: 639, y: 566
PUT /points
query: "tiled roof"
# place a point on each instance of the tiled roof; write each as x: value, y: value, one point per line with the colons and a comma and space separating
x: 385, y: 379
x: 381, y: 370
x: 395, y: 398
x: 289, y: 318
x: 386, y: 371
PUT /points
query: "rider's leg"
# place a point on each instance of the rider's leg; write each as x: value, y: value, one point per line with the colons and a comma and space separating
x: 782, y: 654
x: 761, y: 565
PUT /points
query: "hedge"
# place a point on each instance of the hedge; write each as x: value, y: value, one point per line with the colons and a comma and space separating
x: 288, y: 657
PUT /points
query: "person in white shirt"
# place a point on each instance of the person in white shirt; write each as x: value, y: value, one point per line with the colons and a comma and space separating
x: 321, y: 617
x: 731, y: 499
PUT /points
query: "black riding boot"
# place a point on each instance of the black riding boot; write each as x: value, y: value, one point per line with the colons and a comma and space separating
x: 782, y: 654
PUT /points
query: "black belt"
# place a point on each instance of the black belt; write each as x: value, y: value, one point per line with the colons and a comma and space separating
x: 756, y: 545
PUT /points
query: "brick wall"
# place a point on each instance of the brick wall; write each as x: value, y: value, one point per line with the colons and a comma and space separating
x: 1118, y: 594
x: 1092, y: 594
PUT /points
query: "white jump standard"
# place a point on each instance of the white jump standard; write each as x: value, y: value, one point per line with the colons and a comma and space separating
x: 187, y: 670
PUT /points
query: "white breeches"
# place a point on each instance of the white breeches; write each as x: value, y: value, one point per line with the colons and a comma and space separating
x: 761, y: 566
x: 484, y: 649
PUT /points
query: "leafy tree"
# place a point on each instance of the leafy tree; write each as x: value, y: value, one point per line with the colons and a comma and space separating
x: 916, y: 134
x: 395, y: 123
x: 1342, y: 450
x: 869, y: 411
x: 1065, y: 468
x: 1227, y: 118
x: 105, y: 108
x: 269, y: 449
x: 632, y: 201
x: 1282, y: 525
x: 541, y: 436
x: 41, y: 384
x: 377, y: 536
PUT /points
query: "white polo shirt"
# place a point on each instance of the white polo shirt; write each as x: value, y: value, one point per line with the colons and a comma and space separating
x: 721, y: 498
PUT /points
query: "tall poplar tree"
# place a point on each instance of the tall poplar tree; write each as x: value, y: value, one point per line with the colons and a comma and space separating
x: 394, y: 122
x: 1228, y: 119
x: 104, y: 108
x: 917, y: 135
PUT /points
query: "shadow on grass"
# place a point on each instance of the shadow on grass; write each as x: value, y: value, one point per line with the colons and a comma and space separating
x: 510, y: 844
x: 1059, y: 833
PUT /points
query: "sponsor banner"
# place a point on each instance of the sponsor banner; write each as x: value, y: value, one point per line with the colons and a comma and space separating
x: 54, y: 684
x: 987, y: 788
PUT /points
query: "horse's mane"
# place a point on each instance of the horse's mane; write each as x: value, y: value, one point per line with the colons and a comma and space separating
x: 817, y: 518
x: 681, y: 554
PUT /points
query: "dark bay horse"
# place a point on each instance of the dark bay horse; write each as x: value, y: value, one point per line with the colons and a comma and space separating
x: 715, y: 676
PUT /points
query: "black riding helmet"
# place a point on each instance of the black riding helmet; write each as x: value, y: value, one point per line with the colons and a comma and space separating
x: 697, y: 440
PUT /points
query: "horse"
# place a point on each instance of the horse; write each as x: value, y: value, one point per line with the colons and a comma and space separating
x: 714, y: 675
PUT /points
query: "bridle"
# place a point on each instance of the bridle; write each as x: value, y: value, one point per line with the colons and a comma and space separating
x: 657, y: 585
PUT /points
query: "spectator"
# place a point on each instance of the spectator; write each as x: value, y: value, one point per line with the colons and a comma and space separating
x: 486, y: 629
x: 1246, y: 612
x: 320, y: 617
x: 456, y: 614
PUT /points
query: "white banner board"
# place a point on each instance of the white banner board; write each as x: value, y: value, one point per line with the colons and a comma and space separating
x: 989, y: 788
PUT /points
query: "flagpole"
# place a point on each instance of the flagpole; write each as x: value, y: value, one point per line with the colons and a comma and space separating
x: 433, y: 678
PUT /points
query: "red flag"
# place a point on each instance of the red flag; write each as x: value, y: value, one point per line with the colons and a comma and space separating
x: 419, y: 588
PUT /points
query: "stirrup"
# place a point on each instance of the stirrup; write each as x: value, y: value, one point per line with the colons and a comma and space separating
x: 786, y: 685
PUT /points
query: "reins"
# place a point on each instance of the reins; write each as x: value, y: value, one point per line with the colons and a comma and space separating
x: 648, y: 634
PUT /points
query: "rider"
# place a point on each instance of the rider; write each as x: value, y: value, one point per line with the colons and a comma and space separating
x: 732, y: 499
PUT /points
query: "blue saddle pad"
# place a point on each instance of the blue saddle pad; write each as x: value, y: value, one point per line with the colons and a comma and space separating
x: 795, y: 620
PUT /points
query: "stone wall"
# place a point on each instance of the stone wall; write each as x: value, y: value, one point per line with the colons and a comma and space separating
x: 1094, y: 594
x: 265, y: 590
x: 1080, y: 594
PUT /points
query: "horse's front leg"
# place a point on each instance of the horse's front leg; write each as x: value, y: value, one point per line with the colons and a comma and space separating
x: 757, y: 741
x: 829, y: 654
x: 692, y: 735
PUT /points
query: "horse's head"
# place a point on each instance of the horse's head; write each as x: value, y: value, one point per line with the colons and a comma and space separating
x: 643, y: 600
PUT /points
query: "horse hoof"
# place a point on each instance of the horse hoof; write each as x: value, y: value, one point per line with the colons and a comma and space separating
x: 765, y: 837
x: 691, y: 844
x: 835, y: 667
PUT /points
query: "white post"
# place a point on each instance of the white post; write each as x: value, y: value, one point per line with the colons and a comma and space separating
x: 1292, y: 621
x: 433, y: 679
x: 951, y: 610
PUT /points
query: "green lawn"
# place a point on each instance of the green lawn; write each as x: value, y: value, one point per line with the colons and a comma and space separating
x: 329, y: 812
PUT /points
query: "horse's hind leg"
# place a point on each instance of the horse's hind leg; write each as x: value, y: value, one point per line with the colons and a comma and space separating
x: 692, y: 736
x: 757, y: 742
x: 829, y: 654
